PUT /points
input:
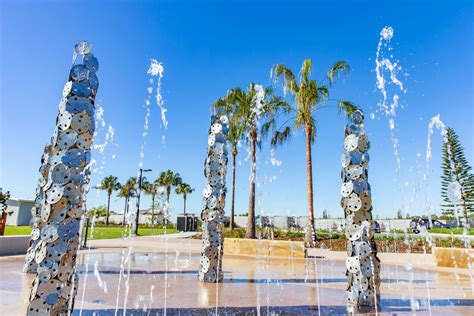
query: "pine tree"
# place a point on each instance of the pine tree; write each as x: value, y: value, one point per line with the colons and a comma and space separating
x: 457, y: 179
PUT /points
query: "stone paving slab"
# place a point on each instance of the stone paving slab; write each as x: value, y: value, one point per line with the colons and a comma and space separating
x: 160, y: 276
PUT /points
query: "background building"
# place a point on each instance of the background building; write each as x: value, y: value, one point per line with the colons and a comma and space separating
x: 19, y: 211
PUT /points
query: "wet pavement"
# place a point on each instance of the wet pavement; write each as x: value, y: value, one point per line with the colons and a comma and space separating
x: 159, y: 276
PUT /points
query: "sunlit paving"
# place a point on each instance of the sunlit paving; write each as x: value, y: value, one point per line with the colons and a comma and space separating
x: 236, y: 158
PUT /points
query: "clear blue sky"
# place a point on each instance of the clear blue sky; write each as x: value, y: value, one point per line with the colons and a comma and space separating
x: 207, y: 48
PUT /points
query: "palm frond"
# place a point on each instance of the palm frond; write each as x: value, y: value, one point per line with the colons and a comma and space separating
x: 323, y: 93
x: 279, y: 138
x: 305, y: 70
x: 267, y: 126
x: 222, y: 105
x: 348, y: 107
x: 289, y: 78
x: 340, y: 67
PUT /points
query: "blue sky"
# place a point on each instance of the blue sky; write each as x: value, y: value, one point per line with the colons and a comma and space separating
x: 209, y: 47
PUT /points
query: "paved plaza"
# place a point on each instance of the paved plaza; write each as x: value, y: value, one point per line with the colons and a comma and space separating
x: 158, y: 276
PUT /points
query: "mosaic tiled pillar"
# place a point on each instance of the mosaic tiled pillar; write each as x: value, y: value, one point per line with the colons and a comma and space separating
x: 61, y: 193
x: 212, y: 214
x: 363, y: 266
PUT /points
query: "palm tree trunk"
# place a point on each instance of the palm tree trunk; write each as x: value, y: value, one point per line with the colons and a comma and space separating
x: 309, y: 236
x: 250, y: 233
x: 108, y: 209
x: 125, y: 210
x: 232, y: 205
x: 153, y: 209
x: 167, y: 209
x: 184, y: 198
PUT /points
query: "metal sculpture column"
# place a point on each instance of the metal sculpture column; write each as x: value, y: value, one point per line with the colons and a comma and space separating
x: 30, y: 263
x: 363, y: 266
x: 212, y: 215
x: 61, y: 192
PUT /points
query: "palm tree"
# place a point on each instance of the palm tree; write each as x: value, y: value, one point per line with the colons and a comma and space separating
x: 308, y: 96
x: 235, y: 134
x: 255, y: 106
x: 184, y: 189
x: 109, y: 184
x: 127, y: 191
x: 168, y: 179
x: 152, y: 190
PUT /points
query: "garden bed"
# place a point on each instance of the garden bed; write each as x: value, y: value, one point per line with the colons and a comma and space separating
x: 336, y: 241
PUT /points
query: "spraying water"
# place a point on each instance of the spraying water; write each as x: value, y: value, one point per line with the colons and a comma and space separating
x: 156, y: 70
x: 386, y: 70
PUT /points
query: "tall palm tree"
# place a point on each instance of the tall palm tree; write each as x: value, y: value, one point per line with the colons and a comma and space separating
x: 184, y: 189
x: 252, y: 108
x: 309, y: 96
x: 109, y: 184
x: 152, y: 190
x: 127, y: 191
x: 168, y: 179
x: 235, y: 134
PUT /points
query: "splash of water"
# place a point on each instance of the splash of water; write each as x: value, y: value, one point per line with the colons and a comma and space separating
x: 435, y: 122
x: 258, y: 100
x: 389, y: 85
x: 156, y: 69
x: 273, y: 160
x: 102, y: 283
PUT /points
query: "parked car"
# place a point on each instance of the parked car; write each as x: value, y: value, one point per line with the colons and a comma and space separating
x: 416, y: 224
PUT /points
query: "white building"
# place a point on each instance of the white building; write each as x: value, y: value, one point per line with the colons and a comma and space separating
x: 19, y: 211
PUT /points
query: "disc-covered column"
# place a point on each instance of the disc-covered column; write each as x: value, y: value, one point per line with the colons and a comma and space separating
x: 61, y: 193
x: 30, y: 265
x: 212, y: 215
x: 363, y: 266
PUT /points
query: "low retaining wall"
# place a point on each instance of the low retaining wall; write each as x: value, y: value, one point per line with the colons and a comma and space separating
x: 272, y: 248
x: 14, y: 245
x: 336, y: 224
x: 454, y: 257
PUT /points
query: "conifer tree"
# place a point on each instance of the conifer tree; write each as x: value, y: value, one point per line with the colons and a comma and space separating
x: 457, y: 181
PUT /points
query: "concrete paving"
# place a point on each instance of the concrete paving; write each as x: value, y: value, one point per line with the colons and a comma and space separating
x: 158, y: 276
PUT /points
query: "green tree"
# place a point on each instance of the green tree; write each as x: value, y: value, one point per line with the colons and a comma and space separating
x: 457, y: 181
x: 309, y: 96
x: 184, y: 189
x: 109, y: 184
x: 168, y: 179
x: 151, y: 189
x: 252, y: 108
x: 235, y: 134
x: 98, y: 211
x: 127, y: 191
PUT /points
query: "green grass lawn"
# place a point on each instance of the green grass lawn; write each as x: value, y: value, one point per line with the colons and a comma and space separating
x: 99, y: 232
x: 17, y: 230
x: 118, y: 232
